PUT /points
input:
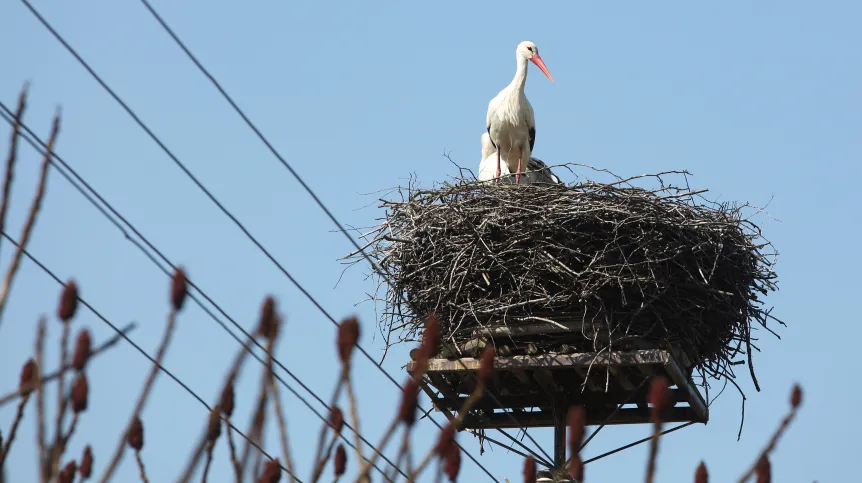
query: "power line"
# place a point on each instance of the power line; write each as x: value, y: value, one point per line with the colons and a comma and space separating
x: 173, y: 157
x: 138, y: 348
x: 644, y: 440
x: 28, y: 134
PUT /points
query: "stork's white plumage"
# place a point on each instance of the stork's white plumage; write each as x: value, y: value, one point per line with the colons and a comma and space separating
x: 510, y: 120
x: 536, y: 172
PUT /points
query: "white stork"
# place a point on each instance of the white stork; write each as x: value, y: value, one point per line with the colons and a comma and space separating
x: 510, y: 121
x: 537, y: 171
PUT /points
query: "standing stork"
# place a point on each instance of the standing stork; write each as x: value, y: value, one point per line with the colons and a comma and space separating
x: 510, y: 121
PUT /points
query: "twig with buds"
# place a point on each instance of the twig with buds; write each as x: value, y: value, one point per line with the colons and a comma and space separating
x: 267, y: 328
x: 213, y: 433
x: 135, y: 440
x: 347, y: 328
x: 486, y: 369
x: 65, y: 312
x: 227, y: 409
x: 54, y: 375
x: 762, y: 459
x: 179, y: 290
x: 348, y: 335
x: 227, y: 405
x: 409, y: 398
x: 336, y: 422
x: 29, y: 372
x: 270, y: 330
x: 78, y: 400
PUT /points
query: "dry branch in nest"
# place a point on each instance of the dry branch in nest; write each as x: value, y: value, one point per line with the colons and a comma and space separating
x: 597, y: 266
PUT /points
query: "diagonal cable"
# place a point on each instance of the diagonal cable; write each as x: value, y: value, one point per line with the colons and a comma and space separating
x: 640, y: 441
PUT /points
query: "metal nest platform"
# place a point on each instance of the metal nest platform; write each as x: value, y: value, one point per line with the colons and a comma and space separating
x: 537, y: 390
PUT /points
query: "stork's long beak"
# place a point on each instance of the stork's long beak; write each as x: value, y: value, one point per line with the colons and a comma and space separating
x: 541, y: 65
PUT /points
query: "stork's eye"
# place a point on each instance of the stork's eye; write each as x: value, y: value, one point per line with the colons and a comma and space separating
x: 530, y: 49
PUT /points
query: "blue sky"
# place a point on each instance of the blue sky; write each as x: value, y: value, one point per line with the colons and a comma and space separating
x: 759, y: 100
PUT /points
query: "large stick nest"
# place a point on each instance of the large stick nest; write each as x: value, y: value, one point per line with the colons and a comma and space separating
x: 621, y: 266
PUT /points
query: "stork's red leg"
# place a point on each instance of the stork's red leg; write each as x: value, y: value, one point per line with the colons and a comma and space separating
x: 518, y: 173
x: 498, y: 165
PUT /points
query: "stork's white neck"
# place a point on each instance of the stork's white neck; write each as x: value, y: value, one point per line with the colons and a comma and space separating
x: 520, y: 74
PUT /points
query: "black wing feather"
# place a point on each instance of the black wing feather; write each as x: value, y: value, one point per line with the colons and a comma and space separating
x: 532, y: 137
x: 491, y: 138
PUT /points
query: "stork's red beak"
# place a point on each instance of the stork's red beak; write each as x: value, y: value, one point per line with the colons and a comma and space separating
x: 541, y: 65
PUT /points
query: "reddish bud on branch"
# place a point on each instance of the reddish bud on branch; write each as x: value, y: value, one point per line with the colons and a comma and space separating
x: 348, y: 334
x: 268, y: 324
x: 529, y: 470
x: 67, y: 475
x: 135, y: 435
x: 453, y: 462
x: 68, y: 302
x: 431, y: 335
x: 796, y: 396
x: 179, y: 289
x: 430, y: 340
x: 409, y: 401
x: 700, y: 475
x: 486, y: 366
x: 80, y: 393
x: 86, y: 468
x: 577, y: 422
x: 446, y: 440
x: 227, y: 400
x: 83, y: 346
x: 214, y: 425
x: 576, y: 468
x: 340, y: 461
x: 764, y: 470
x: 29, y: 377
x: 271, y: 472
x: 336, y: 419
x: 659, y: 399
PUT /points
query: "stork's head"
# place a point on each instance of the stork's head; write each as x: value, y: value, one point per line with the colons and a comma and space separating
x: 529, y: 51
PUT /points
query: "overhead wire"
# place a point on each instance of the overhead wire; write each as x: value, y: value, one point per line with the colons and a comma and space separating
x: 5, y: 113
x: 640, y: 441
x: 137, y: 347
